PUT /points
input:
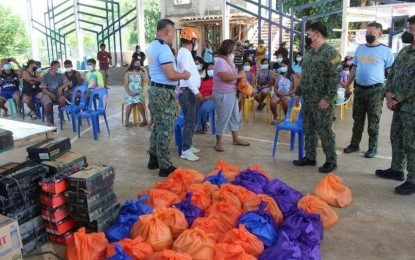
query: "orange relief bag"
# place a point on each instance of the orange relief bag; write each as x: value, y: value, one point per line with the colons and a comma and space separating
x: 196, y: 243
x: 228, y: 171
x: 313, y: 205
x: 244, y: 87
x: 209, y: 188
x: 87, y: 246
x: 173, y: 218
x: 153, y: 231
x: 331, y: 190
x: 136, y: 248
x: 158, y: 198
x: 242, y: 193
x: 272, y: 206
x: 169, y: 255
x: 212, y: 226
x: 231, y: 252
x: 241, y: 236
x: 226, y: 212
x: 199, y: 198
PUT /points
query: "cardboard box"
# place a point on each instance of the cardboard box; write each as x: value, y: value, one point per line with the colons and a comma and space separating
x: 8, y: 166
x: 52, y: 200
x: 29, y: 226
x: 82, y: 211
x: 55, y: 215
x: 54, y: 186
x: 62, y: 239
x: 81, y: 215
x: 10, y: 239
x: 24, y: 213
x: 90, y: 178
x: 30, y: 195
x: 67, y: 163
x: 61, y: 227
x: 48, y: 149
x: 15, y: 255
x: 34, y: 242
x: 6, y: 140
x: 87, y: 198
x: 103, y: 222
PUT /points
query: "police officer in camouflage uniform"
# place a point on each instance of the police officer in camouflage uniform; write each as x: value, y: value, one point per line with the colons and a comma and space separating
x: 369, y: 64
x: 400, y: 97
x: 161, y: 95
x: 321, y: 68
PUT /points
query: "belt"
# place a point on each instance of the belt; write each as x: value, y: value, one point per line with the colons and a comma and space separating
x: 369, y: 86
x: 159, y: 85
x: 184, y: 88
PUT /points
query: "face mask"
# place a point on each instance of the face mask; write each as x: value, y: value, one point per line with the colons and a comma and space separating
x: 298, y: 59
x: 308, y: 41
x: 7, y: 66
x: 215, y: 59
x: 68, y: 69
x: 261, y: 45
x: 232, y: 56
x: 89, y: 67
x: 264, y: 66
x: 370, y: 38
x: 407, y: 37
x: 196, y: 46
x: 210, y: 73
x: 137, y: 67
x: 34, y: 69
x: 349, y: 62
x: 138, y: 50
x: 59, y: 70
x: 38, y: 70
x: 279, y: 60
x: 198, y: 66
x: 250, y: 48
x: 283, y: 70
x: 247, y: 68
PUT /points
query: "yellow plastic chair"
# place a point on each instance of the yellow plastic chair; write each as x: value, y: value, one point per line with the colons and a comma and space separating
x: 344, y: 106
x: 136, y: 113
x: 245, y: 107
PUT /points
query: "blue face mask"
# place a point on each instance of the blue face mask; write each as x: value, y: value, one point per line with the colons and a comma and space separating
x: 89, y: 67
x: 210, y: 73
x: 247, y: 68
x: 264, y: 66
x: 283, y: 70
x: 298, y: 59
x: 7, y: 66
x: 279, y: 60
x: 38, y: 70
x: 198, y: 66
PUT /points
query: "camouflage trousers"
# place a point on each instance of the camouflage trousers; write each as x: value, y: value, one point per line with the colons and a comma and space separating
x: 402, y: 137
x: 316, y: 124
x: 367, y: 102
x: 163, y: 107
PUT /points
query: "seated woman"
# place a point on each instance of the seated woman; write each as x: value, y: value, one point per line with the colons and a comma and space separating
x: 285, y: 86
x: 250, y: 77
x: 133, y: 80
x: 207, y: 105
x: 297, y: 63
x: 264, y: 82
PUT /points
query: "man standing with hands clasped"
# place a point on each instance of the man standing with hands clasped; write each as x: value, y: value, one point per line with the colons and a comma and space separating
x: 190, y: 95
x: 400, y: 97
x: 318, y: 87
x: 369, y: 64
x: 164, y: 77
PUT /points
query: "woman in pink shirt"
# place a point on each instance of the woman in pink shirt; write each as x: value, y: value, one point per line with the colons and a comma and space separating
x: 225, y: 96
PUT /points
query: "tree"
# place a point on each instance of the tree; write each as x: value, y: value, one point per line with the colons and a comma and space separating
x: 14, y: 40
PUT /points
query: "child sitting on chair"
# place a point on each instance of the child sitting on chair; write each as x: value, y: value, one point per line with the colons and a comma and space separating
x: 133, y: 80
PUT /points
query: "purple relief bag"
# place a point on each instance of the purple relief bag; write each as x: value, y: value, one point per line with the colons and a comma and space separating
x: 217, y: 179
x: 190, y: 211
x: 252, y: 180
x: 285, y: 196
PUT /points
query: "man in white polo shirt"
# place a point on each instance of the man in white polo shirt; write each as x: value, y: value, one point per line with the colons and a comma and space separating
x: 190, y: 95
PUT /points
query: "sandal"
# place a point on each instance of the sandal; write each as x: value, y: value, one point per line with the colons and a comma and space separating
x: 128, y: 124
x: 274, y: 122
x: 142, y: 124
x: 242, y: 143
x: 219, y: 148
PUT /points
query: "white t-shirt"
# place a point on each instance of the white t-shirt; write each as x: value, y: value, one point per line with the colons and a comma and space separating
x: 185, y: 62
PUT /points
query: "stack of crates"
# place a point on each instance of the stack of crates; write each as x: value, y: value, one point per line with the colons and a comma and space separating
x: 92, y: 201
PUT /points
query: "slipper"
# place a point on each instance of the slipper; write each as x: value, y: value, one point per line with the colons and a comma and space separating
x: 274, y: 122
x: 149, y: 128
x: 242, y: 143
x: 142, y: 124
x: 129, y: 124
x: 219, y: 148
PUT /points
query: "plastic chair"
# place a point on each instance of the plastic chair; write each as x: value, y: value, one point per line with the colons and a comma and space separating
x: 343, y: 106
x: 245, y: 107
x: 74, y: 109
x: 268, y: 102
x: 178, y: 126
x: 12, y: 106
x: 296, y: 128
x: 136, y: 112
x: 37, y: 106
x: 94, y: 112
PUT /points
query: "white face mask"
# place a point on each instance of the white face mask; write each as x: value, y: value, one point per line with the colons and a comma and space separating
x: 279, y: 60
x: 196, y: 46
x: 59, y: 70
x: 68, y: 69
x: 198, y: 66
x: 264, y: 66
x: 232, y: 56
x: 38, y: 70
x: 210, y: 73
x: 247, y: 68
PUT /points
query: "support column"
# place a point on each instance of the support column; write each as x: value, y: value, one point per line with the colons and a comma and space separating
x: 225, y: 21
x: 345, y: 29
x: 79, y: 36
x: 141, y: 36
x: 33, y: 42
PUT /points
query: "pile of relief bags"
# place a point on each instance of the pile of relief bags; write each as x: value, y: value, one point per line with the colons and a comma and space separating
x: 228, y: 214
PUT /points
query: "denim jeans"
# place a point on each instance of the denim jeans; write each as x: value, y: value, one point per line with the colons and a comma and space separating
x: 204, y: 109
x: 188, y: 104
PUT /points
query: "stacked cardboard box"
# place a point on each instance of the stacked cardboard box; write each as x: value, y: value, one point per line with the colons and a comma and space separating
x: 10, y: 241
x: 19, y: 200
x: 91, y: 199
x: 6, y: 140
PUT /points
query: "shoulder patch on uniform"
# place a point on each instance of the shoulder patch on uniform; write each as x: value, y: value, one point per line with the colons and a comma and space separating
x: 336, y: 60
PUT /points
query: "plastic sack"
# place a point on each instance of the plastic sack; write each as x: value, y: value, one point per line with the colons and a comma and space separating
x: 190, y: 211
x: 252, y: 180
x: 121, y: 229
x: 272, y: 207
x: 231, y: 252
x: 87, y: 246
x: 217, y: 179
x: 136, y: 248
x: 119, y: 254
x: 199, y: 198
x: 212, y: 226
x: 158, y: 198
x: 209, y: 188
x: 180, y: 180
x: 136, y: 207
x: 240, y: 192
x: 244, y: 87
x: 258, y: 168
x: 331, y: 190
x: 285, y: 196
x: 241, y: 236
x: 153, y: 231
x: 169, y: 255
x: 313, y: 205
x: 174, y: 219
x: 228, y: 171
x: 196, y: 243
x: 226, y: 212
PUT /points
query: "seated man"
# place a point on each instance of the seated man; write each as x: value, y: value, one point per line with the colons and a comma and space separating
x: 93, y: 77
x: 9, y: 84
x: 74, y: 78
x: 31, y: 87
x: 53, y: 85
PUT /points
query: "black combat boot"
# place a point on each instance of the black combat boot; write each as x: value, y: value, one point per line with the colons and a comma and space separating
x: 166, y: 172
x: 153, y: 163
x: 391, y: 174
x: 406, y: 188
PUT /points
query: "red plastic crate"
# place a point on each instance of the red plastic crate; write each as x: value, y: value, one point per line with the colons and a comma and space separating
x: 52, y: 201
x: 61, y: 227
x: 55, y: 215
x: 56, y: 187
x: 62, y: 239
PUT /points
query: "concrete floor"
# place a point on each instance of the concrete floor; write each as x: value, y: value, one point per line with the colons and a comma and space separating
x: 377, y: 225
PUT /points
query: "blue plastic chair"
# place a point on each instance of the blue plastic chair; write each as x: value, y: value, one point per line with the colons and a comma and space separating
x: 52, y: 119
x: 178, y: 126
x: 94, y: 111
x: 296, y: 128
x: 37, y: 104
x: 74, y: 109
